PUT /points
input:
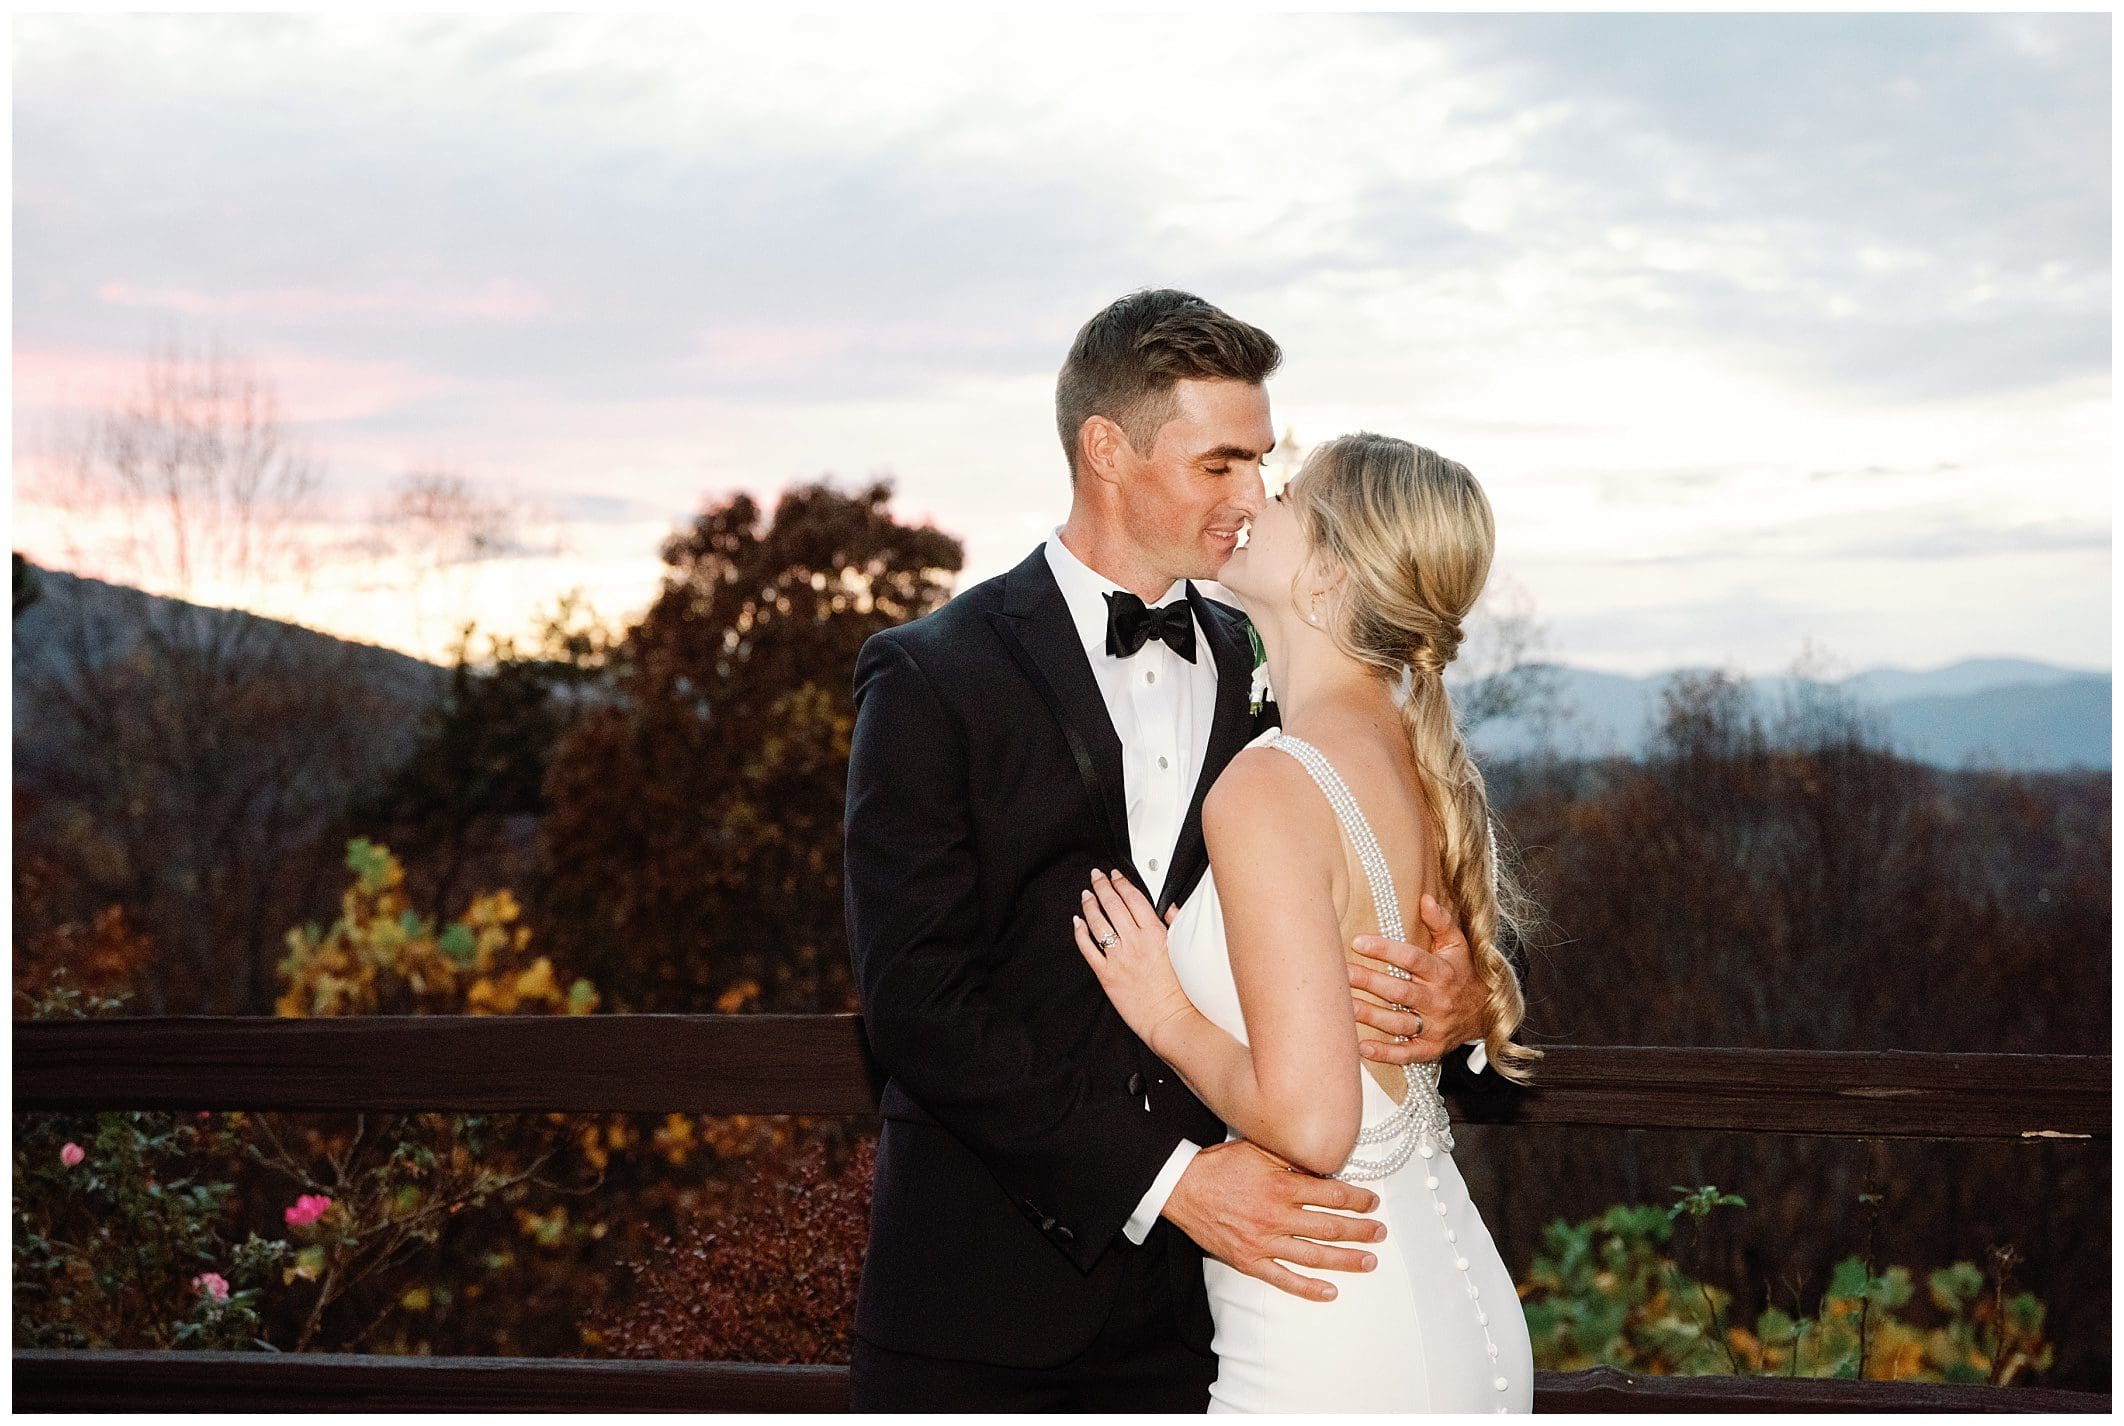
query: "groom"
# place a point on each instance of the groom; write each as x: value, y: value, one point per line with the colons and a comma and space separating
x: 1046, y: 1187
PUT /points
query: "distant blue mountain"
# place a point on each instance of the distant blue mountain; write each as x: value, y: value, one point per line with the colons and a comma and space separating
x: 2002, y: 712
x: 2046, y: 726
x: 1996, y: 712
x: 1886, y: 685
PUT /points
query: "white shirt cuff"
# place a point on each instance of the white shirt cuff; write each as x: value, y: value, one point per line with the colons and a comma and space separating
x: 1145, y: 1217
x: 1479, y: 1057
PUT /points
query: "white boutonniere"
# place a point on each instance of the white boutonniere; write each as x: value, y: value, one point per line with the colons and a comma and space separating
x: 1261, y: 691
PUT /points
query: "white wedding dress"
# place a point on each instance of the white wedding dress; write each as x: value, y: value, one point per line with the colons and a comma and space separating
x: 1437, y: 1325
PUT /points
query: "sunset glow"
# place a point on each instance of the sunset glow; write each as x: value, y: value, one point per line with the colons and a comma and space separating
x: 1759, y: 330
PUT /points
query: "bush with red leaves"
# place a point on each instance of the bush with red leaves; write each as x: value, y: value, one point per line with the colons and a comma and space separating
x: 772, y: 1281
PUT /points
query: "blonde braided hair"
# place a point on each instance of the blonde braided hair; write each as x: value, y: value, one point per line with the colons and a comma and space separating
x: 1414, y: 533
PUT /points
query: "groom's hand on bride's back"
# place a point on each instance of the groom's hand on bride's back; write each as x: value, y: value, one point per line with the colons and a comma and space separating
x: 1443, y: 998
x: 1246, y: 1208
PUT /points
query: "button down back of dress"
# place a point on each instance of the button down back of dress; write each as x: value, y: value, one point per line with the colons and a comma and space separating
x: 1420, y: 1124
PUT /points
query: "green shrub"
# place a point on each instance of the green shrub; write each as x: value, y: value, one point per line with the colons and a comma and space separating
x: 1607, y: 1292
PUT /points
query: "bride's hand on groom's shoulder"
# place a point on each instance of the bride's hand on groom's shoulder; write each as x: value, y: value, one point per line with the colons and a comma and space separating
x: 1123, y: 941
x: 1443, y: 996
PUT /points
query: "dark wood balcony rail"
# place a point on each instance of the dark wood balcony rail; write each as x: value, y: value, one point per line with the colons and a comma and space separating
x: 818, y: 1064
x: 332, y: 1381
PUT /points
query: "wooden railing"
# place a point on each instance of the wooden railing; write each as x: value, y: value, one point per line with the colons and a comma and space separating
x: 817, y: 1064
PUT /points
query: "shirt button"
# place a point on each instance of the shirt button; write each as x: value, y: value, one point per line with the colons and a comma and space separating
x: 1162, y: 764
x: 1154, y: 863
x: 1150, y: 675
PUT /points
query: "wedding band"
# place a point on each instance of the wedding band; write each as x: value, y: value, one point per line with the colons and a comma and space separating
x: 1398, y: 973
x: 1403, y: 1039
x: 1397, y: 1005
x: 1108, y: 941
x: 1419, y: 1024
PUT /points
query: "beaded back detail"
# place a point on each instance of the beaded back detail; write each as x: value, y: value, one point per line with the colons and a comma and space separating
x: 1421, y: 1115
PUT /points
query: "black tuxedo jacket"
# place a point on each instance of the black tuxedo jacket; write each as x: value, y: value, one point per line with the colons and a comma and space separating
x: 984, y: 784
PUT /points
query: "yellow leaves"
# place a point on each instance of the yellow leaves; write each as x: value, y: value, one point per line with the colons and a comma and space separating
x: 741, y: 1135
x: 548, y: 1229
x: 537, y: 983
x: 739, y: 999
x: 380, y: 958
x: 533, y: 987
x: 675, y: 1139
x: 496, y: 908
x: 1895, y: 1353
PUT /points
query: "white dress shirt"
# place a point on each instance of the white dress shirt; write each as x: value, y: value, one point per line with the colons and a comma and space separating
x: 1161, y: 707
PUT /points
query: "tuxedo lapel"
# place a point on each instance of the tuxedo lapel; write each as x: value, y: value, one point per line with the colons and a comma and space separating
x: 1035, y: 626
x: 1232, y: 726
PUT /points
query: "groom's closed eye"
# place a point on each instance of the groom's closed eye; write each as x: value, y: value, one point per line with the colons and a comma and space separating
x: 1224, y: 456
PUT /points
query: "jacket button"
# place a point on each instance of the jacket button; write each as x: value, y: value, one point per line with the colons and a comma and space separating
x: 1047, y: 1225
x: 1135, y: 1084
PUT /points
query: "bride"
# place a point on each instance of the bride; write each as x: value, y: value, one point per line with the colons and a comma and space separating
x: 1363, y: 802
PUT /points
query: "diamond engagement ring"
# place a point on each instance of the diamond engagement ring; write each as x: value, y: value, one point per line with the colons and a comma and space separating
x: 1108, y: 941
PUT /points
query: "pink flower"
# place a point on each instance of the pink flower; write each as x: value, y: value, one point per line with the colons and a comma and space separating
x: 204, y: 1114
x: 308, y: 1209
x: 72, y: 1154
x: 213, y: 1285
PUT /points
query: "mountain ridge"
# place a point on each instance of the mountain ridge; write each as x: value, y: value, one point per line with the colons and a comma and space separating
x: 1993, y: 710
x: 2007, y: 712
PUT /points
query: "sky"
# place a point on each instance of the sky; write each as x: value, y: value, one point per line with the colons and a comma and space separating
x: 1762, y: 333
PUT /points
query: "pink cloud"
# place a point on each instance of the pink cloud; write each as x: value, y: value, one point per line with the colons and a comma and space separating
x: 60, y: 380
x: 499, y: 299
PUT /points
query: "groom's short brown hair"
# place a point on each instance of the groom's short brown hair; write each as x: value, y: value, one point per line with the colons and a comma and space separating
x: 1126, y: 360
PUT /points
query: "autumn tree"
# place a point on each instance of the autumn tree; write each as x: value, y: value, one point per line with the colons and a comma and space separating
x: 464, y: 804
x: 691, y: 853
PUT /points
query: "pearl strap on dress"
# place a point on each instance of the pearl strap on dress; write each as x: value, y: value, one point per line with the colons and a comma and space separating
x: 1419, y: 1124
x: 1421, y: 1114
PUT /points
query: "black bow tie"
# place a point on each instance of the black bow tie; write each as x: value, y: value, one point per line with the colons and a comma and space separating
x: 1129, y: 625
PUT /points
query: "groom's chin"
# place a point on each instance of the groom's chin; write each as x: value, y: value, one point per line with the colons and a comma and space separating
x: 1211, y: 562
